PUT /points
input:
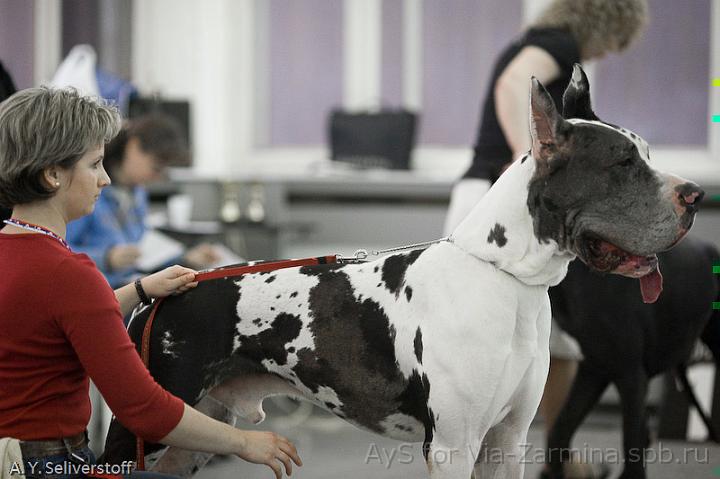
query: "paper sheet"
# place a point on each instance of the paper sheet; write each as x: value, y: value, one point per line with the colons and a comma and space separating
x: 156, y: 250
x: 227, y: 256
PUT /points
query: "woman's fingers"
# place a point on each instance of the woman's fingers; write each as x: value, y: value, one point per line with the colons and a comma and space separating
x: 288, y: 448
x: 273, y: 464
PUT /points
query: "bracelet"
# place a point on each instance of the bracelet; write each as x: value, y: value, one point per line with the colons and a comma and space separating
x: 144, y: 298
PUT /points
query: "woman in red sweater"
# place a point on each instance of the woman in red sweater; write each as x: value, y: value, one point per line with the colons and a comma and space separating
x: 61, y: 323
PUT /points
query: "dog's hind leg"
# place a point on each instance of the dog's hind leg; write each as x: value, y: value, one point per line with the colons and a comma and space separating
x: 184, y: 463
x: 586, y: 391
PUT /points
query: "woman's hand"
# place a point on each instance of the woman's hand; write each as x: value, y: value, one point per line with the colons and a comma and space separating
x: 202, y: 256
x: 268, y: 448
x: 122, y: 256
x: 173, y: 280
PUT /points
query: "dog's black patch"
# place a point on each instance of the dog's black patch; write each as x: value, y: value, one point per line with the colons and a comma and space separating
x: 394, y: 268
x: 354, y: 352
x: 414, y: 402
x: 270, y: 343
x: 294, y: 294
x: 408, y: 293
x: 257, y: 321
x: 418, y: 345
x: 270, y: 279
x: 376, y: 269
x: 497, y: 235
x: 278, y: 296
x: 319, y: 269
x: 291, y: 349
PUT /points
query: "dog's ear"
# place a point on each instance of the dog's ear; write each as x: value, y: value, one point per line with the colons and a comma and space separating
x: 547, y: 128
x: 576, y: 100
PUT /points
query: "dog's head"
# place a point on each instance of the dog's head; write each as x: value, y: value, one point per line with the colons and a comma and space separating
x: 595, y: 193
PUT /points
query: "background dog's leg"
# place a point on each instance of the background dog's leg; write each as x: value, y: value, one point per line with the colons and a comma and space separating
x: 632, y: 387
x: 184, y: 463
x: 586, y: 391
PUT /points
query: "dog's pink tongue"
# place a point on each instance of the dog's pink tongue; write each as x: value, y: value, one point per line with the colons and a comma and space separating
x: 651, y: 286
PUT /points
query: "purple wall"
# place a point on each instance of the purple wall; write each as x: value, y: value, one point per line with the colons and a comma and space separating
x: 659, y: 87
x: 16, y: 40
x: 461, y: 39
x: 306, y: 78
x: 79, y: 24
x: 391, y: 73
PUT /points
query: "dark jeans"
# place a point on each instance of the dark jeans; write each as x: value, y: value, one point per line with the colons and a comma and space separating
x: 62, y: 466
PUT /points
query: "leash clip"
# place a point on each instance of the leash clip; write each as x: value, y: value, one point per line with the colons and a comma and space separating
x: 359, y: 256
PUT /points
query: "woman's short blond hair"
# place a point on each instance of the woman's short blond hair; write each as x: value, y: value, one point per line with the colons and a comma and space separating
x: 45, y: 127
x: 599, y: 26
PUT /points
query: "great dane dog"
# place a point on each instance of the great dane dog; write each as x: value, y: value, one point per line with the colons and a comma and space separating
x: 625, y: 342
x: 447, y: 345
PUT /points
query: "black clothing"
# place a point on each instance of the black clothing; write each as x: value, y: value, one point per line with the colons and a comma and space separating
x: 492, y: 151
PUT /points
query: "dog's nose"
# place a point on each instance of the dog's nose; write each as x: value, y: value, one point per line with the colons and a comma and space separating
x: 690, y: 195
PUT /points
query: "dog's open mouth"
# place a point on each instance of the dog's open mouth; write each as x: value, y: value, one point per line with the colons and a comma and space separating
x: 604, y: 256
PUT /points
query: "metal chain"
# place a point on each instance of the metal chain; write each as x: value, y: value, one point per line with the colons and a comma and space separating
x: 362, y: 254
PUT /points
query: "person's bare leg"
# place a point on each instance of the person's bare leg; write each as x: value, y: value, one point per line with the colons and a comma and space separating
x: 560, y: 379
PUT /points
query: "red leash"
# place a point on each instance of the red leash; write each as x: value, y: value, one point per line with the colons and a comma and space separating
x: 226, y: 272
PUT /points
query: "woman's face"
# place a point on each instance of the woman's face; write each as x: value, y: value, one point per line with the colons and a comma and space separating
x: 139, y: 167
x: 80, y: 186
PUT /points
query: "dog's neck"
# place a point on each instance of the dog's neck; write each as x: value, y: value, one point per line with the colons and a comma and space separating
x: 499, y: 230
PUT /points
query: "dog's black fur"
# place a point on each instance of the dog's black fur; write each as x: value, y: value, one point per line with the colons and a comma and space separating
x: 626, y: 342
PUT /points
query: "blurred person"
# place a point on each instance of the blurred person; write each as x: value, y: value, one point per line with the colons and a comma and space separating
x: 61, y: 322
x: 565, y: 33
x: 110, y: 235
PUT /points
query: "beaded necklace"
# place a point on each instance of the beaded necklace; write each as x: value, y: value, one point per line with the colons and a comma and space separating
x: 37, y: 229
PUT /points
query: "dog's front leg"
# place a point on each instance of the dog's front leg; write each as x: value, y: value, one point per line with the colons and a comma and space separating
x: 504, y: 449
x: 451, y: 458
x: 632, y: 388
x: 586, y: 390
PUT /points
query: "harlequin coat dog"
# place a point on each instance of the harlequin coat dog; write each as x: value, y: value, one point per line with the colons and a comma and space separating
x: 446, y: 345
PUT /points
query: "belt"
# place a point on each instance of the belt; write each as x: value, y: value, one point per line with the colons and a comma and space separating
x: 53, y: 446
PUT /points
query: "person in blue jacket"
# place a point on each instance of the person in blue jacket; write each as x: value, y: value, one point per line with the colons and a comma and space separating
x: 110, y: 235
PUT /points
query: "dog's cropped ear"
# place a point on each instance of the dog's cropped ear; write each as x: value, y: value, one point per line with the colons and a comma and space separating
x: 576, y: 100
x: 547, y: 128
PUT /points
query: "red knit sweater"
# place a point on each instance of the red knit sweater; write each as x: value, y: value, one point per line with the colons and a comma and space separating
x: 60, y: 323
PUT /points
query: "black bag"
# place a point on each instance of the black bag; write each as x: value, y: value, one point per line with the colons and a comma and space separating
x: 373, y: 140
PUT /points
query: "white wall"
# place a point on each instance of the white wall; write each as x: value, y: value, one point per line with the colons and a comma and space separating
x: 201, y: 51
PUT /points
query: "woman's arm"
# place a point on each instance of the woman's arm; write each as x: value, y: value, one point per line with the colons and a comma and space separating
x: 197, y: 432
x: 172, y: 280
x: 512, y: 104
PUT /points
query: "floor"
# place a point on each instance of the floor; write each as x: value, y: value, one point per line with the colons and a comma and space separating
x: 333, y: 449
